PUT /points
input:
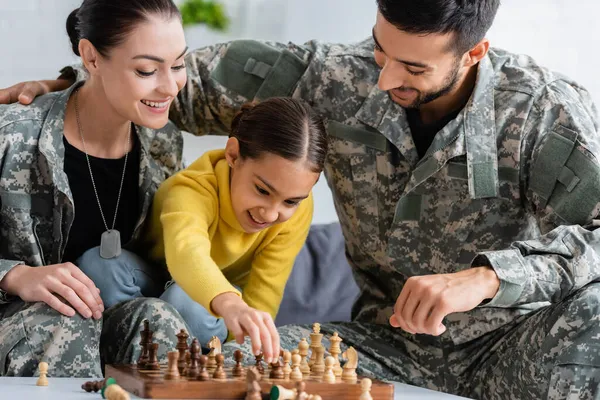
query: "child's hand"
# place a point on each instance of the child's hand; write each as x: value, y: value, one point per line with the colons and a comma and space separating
x: 243, y: 320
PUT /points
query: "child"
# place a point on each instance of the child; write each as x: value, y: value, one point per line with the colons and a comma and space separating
x: 230, y: 226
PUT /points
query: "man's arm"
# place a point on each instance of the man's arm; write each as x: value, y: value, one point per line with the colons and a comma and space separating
x: 561, y: 176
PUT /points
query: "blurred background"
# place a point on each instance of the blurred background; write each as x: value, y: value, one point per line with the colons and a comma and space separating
x: 560, y: 34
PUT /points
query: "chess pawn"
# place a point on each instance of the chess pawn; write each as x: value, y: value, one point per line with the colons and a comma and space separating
x: 172, y: 371
x: 238, y: 370
x: 365, y: 387
x: 276, y: 371
x: 301, y: 391
x: 278, y: 392
x: 296, y: 374
x: 287, y: 369
x: 303, y: 351
x: 43, y: 368
x: 314, y: 397
x: 203, y: 371
x: 329, y: 376
x: 220, y: 372
x: 253, y: 390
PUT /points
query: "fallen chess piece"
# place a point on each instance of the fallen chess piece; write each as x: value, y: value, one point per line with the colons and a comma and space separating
x: 93, y: 386
x: 115, y: 392
x: 42, y: 380
x: 278, y: 392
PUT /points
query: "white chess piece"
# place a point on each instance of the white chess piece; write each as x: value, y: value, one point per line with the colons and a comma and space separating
x: 42, y: 380
x: 365, y: 385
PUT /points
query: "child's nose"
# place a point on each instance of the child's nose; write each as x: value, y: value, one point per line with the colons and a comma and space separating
x: 269, y: 215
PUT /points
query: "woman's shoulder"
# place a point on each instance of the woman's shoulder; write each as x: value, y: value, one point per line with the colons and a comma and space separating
x: 14, y: 115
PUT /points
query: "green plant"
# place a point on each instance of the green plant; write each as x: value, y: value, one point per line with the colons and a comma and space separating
x: 211, y: 13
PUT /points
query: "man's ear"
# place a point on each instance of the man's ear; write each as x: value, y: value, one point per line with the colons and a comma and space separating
x: 477, y: 53
x: 89, y: 55
x: 232, y: 151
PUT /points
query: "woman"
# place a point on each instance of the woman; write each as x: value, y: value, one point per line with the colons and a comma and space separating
x: 78, y: 172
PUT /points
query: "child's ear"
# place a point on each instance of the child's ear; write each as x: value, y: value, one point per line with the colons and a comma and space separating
x: 232, y: 151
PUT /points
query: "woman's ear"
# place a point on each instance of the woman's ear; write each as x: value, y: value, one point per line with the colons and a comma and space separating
x: 89, y: 56
x: 232, y: 151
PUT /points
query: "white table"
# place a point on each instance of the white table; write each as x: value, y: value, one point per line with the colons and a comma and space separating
x: 70, y: 389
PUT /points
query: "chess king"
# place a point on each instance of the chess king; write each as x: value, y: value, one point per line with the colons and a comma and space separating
x: 466, y: 180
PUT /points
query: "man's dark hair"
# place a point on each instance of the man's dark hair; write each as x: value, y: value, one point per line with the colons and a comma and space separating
x: 469, y: 20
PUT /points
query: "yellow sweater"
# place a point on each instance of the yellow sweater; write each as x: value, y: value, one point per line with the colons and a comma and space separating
x: 194, y: 229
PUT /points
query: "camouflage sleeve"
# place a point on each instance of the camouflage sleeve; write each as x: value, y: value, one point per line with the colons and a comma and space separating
x: 561, y: 180
x: 223, y: 77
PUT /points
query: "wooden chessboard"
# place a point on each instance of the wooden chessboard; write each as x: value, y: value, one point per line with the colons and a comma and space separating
x: 150, y: 384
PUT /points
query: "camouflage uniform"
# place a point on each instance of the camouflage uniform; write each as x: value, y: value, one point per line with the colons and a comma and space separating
x: 513, y: 183
x: 36, y: 213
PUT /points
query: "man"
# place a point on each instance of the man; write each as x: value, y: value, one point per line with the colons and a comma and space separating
x: 466, y: 180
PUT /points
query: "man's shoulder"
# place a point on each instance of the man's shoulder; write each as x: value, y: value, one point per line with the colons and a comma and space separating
x: 522, y: 73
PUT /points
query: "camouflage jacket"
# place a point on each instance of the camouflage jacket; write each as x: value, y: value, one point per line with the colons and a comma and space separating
x: 513, y: 182
x: 36, y: 204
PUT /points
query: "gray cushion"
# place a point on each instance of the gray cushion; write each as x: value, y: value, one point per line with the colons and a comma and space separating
x: 321, y: 287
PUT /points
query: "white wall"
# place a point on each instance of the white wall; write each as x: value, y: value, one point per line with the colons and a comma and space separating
x: 561, y: 34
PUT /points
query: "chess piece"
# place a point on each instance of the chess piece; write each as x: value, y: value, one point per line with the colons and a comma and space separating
x: 93, y: 386
x: 115, y: 392
x: 335, y: 350
x: 238, y: 369
x: 152, y: 359
x: 365, y: 387
x: 301, y: 391
x: 253, y: 390
x: 220, y: 371
x: 276, y: 370
x: 315, y: 342
x: 314, y: 397
x: 258, y: 363
x: 349, y: 370
x: 303, y: 350
x: 278, y: 392
x: 318, y: 367
x: 146, y: 339
x: 203, y: 371
x: 214, y: 345
x: 182, y: 347
x: 188, y: 362
x: 296, y: 374
x: 192, y: 370
x: 172, y: 370
x: 287, y: 369
x: 329, y: 376
x: 42, y: 380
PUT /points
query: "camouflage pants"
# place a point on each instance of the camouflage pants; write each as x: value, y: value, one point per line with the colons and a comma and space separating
x: 78, y: 347
x: 551, y: 353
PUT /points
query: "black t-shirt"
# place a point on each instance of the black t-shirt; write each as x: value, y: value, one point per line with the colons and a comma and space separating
x: 423, y: 134
x: 88, y: 226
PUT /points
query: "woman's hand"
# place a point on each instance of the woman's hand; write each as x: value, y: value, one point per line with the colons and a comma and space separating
x: 243, y: 320
x: 46, y: 283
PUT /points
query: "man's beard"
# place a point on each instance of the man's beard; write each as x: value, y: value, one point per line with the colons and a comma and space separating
x: 427, y: 97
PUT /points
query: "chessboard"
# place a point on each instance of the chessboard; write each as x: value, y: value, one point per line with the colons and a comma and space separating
x: 151, y: 384
x: 189, y: 374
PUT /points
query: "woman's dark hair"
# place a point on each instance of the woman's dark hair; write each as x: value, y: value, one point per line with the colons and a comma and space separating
x: 106, y: 23
x: 282, y: 126
x: 469, y: 20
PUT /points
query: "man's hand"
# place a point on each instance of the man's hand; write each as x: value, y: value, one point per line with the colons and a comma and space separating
x: 426, y: 300
x: 243, y: 320
x: 53, y: 282
x: 25, y: 92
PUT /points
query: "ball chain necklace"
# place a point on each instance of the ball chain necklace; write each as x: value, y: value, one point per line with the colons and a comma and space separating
x: 110, y: 241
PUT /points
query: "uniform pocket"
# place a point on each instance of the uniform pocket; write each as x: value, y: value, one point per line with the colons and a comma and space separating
x: 357, y: 168
x: 12, y: 332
